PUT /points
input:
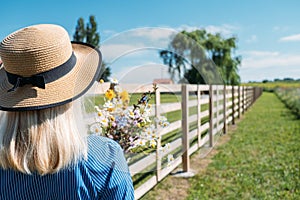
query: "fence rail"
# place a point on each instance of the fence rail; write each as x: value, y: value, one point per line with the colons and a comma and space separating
x: 205, y: 111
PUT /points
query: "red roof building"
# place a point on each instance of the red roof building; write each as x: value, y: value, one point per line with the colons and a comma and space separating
x: 163, y: 81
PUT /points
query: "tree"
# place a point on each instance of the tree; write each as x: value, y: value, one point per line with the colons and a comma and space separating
x: 79, y: 34
x: 92, y: 37
x: 197, y: 49
x: 88, y: 34
x: 105, y: 72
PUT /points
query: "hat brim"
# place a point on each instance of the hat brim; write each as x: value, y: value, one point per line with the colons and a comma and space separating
x: 59, y: 92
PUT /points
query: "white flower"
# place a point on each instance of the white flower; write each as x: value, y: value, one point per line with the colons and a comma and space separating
x: 170, y: 159
x: 147, y: 132
x: 130, y: 114
x: 96, y: 128
x: 162, y: 149
x: 104, y: 122
x: 140, y: 142
x: 146, y: 119
x: 100, y: 113
x: 162, y: 118
x: 108, y: 104
x: 114, y: 81
x: 97, y: 108
x: 165, y: 124
x: 117, y: 89
x: 167, y: 146
x: 137, y: 113
x: 152, y: 143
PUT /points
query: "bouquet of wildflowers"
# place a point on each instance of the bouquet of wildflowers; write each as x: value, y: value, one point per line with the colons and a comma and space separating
x: 131, y: 126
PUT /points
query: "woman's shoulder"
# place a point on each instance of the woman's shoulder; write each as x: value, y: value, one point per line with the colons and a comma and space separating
x: 96, y: 141
x: 102, y: 149
x: 108, y: 168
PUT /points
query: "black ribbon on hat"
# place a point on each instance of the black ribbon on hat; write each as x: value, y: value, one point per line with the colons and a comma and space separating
x: 19, y: 81
x: 40, y: 80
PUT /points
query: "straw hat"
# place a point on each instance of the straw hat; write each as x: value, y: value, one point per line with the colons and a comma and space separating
x: 41, y: 68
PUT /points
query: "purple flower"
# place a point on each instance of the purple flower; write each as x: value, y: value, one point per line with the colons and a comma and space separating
x: 121, y: 121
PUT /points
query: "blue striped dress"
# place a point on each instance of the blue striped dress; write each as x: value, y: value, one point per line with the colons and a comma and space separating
x: 104, y: 175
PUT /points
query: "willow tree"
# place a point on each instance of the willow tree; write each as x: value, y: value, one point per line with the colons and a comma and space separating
x: 201, y: 57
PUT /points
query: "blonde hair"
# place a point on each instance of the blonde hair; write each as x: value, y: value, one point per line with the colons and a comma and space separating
x: 42, y: 141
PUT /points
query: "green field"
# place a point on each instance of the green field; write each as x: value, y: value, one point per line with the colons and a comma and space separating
x: 91, y: 101
x: 261, y: 161
x: 271, y: 86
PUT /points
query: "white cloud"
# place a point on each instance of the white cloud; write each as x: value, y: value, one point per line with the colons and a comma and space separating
x: 135, y: 40
x: 260, y: 65
x: 111, y: 52
x: 145, y: 73
x: 226, y: 30
x: 265, y: 59
x: 109, y: 32
x: 150, y: 37
x: 154, y: 33
x: 290, y: 38
x: 259, y: 53
x: 141, y: 39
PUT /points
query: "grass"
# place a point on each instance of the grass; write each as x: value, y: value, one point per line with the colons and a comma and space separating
x: 261, y: 161
x: 90, y: 101
x: 291, y: 98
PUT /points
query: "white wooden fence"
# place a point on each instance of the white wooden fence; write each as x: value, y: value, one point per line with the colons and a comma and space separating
x: 214, y: 108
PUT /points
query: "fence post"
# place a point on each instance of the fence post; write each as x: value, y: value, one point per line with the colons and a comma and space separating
x: 158, y: 145
x: 239, y: 103
x: 247, y: 98
x: 253, y: 94
x: 243, y: 99
x: 185, y: 129
x: 224, y: 110
x: 217, y: 107
x: 199, y: 115
x: 211, y: 115
x: 233, y: 104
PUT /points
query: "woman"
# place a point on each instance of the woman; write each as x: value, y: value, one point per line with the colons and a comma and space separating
x: 43, y: 154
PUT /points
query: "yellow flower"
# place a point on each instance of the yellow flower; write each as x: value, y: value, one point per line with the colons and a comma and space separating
x: 110, y: 94
x: 153, y: 143
x: 101, y: 81
x: 112, y: 118
x: 131, y: 114
x: 110, y: 109
x: 124, y: 96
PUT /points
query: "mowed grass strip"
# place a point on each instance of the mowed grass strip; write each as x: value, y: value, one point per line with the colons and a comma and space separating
x: 261, y: 161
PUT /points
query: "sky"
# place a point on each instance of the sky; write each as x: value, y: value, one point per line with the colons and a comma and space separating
x: 132, y: 32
